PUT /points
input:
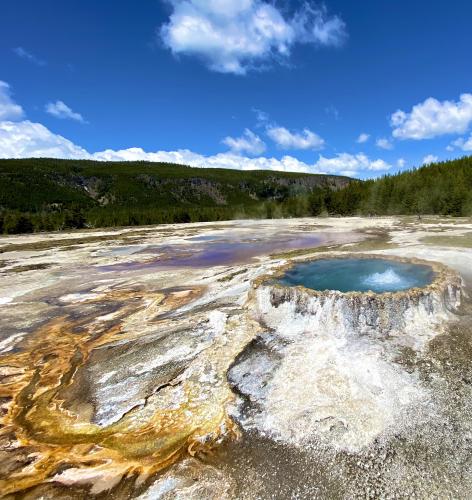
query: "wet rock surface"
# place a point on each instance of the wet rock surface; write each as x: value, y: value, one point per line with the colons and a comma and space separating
x: 124, y: 378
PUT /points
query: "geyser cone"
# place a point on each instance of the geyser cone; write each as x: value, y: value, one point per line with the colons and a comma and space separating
x: 327, y: 359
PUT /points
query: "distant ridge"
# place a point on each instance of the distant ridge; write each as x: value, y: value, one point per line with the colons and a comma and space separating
x: 50, y: 194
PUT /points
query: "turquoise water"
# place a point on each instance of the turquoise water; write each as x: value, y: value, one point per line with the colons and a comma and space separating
x: 358, y: 275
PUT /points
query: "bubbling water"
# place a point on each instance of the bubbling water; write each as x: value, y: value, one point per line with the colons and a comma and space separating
x: 389, y: 279
x: 359, y: 275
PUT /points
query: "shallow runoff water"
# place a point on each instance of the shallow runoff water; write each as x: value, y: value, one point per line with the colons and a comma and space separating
x: 358, y: 275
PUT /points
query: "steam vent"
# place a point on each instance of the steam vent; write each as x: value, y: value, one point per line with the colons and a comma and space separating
x: 324, y: 369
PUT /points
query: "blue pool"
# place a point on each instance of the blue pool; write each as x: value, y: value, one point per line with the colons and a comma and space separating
x: 358, y: 275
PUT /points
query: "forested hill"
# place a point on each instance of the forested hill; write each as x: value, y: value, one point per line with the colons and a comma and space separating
x: 441, y: 188
x: 37, y: 195
x: 48, y: 194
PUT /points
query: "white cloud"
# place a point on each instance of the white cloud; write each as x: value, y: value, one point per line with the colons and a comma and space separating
x: 221, y: 160
x: 430, y: 159
x: 284, y: 138
x: 344, y: 162
x: 232, y: 36
x: 32, y: 140
x: 433, y: 118
x: 313, y: 25
x: 261, y: 116
x: 461, y: 143
x: 292, y: 140
x: 363, y: 138
x: 60, y: 110
x: 401, y: 162
x: 467, y: 145
x: 249, y: 143
x: 384, y: 143
x: 26, y: 139
x: 9, y: 110
x: 24, y: 54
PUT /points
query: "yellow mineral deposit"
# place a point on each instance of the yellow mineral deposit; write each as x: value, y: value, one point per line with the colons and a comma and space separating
x: 131, y: 370
x: 36, y: 423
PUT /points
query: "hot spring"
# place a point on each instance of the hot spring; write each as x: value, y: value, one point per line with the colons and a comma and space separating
x: 322, y: 370
x: 358, y: 275
x: 355, y: 293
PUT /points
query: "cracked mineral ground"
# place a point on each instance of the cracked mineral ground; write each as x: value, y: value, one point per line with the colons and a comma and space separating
x: 156, y: 362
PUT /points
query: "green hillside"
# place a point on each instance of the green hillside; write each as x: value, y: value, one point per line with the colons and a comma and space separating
x: 442, y: 188
x: 47, y: 194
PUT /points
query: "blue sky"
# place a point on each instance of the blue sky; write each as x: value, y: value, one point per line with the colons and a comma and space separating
x: 358, y: 88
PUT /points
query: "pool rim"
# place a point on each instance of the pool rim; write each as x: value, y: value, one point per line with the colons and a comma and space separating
x: 443, y: 276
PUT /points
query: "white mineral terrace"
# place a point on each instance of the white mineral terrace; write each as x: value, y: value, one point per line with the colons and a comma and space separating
x: 327, y: 366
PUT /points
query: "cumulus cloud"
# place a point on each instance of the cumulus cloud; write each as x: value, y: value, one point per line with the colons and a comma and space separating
x: 249, y: 143
x: 286, y: 139
x: 363, y: 138
x: 433, y: 118
x: 344, y: 164
x: 430, y: 159
x: 60, y: 110
x: 401, y: 162
x: 292, y: 140
x: 9, y: 110
x: 348, y: 164
x: 233, y: 36
x: 467, y: 145
x: 26, y: 139
x: 28, y: 56
x: 32, y: 140
x: 384, y: 143
x: 461, y: 143
x: 221, y: 160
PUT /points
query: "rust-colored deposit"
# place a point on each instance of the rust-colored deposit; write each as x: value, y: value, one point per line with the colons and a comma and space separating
x: 41, y: 438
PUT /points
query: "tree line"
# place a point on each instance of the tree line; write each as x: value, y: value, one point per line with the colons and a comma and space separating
x: 442, y: 188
